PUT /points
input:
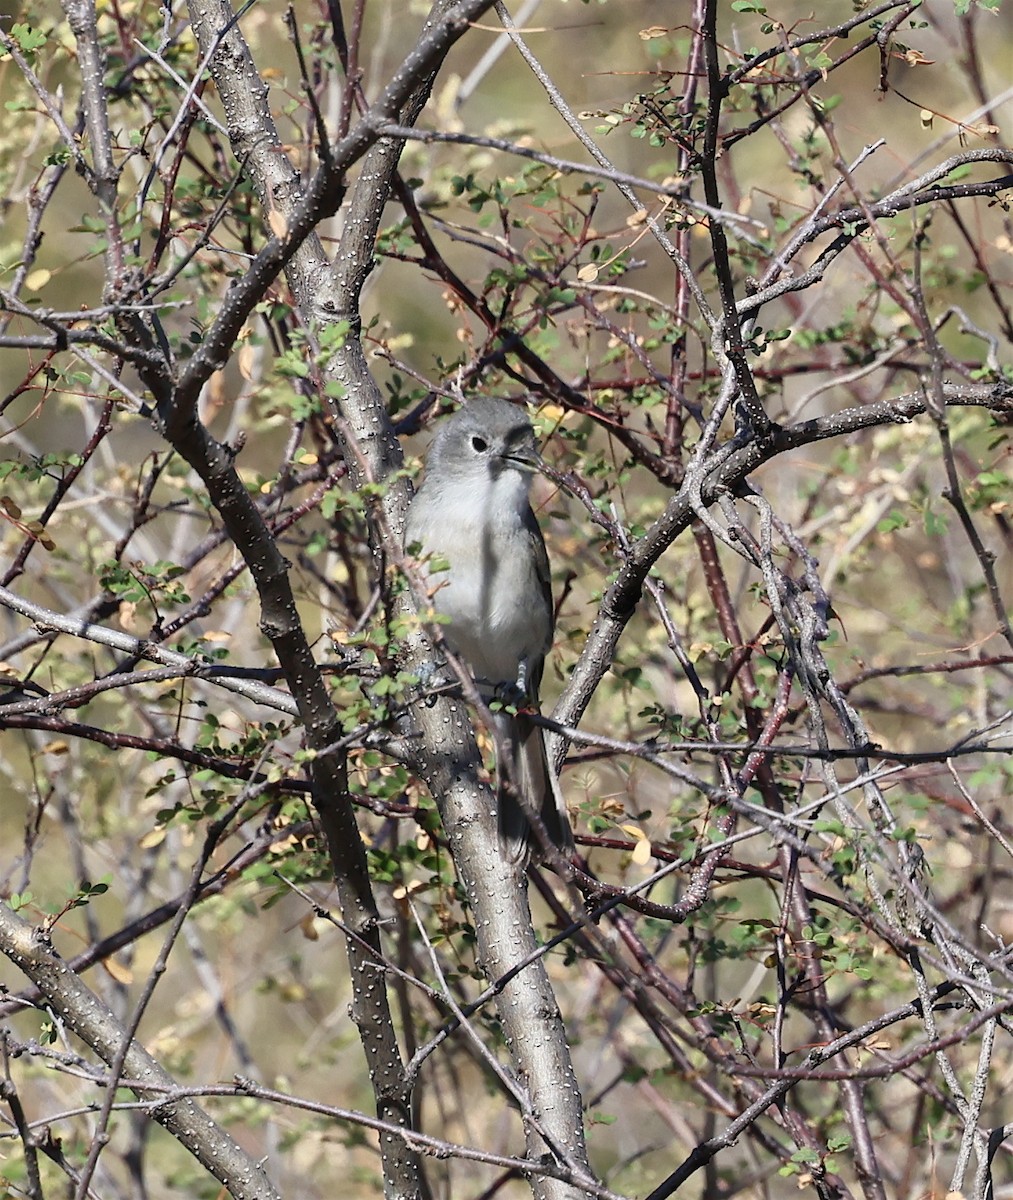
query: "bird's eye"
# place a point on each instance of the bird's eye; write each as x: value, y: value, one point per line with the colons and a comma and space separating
x: 479, y: 444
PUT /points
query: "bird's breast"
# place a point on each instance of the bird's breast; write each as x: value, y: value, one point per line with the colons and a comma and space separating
x: 491, y: 593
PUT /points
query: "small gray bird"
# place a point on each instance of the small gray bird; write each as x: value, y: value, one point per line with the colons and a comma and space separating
x: 473, y: 513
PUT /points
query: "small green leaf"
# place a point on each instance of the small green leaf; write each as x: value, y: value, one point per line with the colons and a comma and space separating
x: 894, y: 520
x: 935, y: 523
x: 29, y: 40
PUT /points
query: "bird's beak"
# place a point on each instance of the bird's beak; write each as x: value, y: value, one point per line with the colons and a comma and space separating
x: 526, y: 457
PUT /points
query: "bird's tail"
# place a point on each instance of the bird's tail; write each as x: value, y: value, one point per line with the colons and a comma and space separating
x: 531, y: 786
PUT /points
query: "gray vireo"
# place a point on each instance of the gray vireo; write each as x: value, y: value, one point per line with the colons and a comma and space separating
x: 472, y: 512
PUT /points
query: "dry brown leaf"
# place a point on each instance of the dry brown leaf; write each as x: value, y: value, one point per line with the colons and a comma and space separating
x: 915, y: 58
x: 127, y: 615
x: 245, y: 359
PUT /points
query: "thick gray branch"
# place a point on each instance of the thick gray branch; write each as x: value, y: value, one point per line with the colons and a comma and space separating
x: 80, y: 1010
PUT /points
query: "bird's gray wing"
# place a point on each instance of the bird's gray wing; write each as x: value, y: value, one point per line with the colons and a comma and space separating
x: 540, y: 557
x: 530, y: 770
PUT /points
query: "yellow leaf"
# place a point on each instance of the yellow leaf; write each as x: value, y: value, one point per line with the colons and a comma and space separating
x: 651, y: 32
x: 634, y: 831
x: 154, y: 837
x: 118, y: 971
x: 35, y: 281
x: 552, y: 412
x: 588, y: 273
x: 637, y: 218
x: 56, y: 747
x: 926, y: 116
x: 642, y: 853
